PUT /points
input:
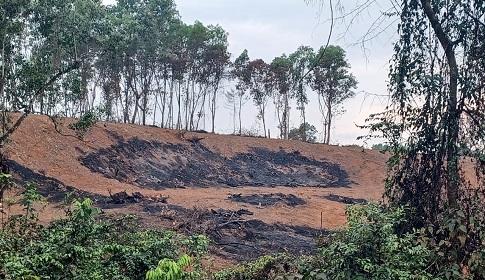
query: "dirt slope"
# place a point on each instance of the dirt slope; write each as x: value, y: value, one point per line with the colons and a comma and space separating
x: 287, y: 187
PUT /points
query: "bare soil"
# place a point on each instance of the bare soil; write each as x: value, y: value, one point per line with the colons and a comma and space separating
x: 251, y: 196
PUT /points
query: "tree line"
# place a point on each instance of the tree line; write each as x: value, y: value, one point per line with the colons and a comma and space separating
x: 138, y: 62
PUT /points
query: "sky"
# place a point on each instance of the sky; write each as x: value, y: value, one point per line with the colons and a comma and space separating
x: 269, y: 28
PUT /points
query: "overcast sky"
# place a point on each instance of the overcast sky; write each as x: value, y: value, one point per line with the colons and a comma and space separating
x: 270, y: 28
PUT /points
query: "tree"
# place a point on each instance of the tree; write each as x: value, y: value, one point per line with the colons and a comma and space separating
x: 306, y: 132
x: 241, y: 73
x: 301, y: 63
x: 31, y: 66
x: 437, y: 91
x: 281, y: 68
x: 332, y: 81
x: 261, y: 87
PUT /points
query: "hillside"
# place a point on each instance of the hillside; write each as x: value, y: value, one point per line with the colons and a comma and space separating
x: 250, y: 195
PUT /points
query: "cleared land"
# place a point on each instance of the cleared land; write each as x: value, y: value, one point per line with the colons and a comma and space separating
x: 252, y: 196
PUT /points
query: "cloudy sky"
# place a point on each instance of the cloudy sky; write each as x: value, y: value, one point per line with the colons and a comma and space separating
x: 270, y: 28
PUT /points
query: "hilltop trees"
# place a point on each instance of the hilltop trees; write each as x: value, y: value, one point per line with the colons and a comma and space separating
x: 242, y: 75
x: 332, y: 81
x: 301, y: 62
x: 281, y: 67
x: 137, y: 62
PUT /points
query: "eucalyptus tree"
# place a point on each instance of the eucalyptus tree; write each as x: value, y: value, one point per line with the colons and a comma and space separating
x: 143, y: 26
x: 242, y: 74
x: 333, y: 83
x: 196, y: 37
x: 261, y: 87
x: 301, y: 62
x: 208, y: 60
x: 34, y: 59
x: 281, y: 68
x: 13, y: 17
x: 63, y: 31
x: 215, y: 65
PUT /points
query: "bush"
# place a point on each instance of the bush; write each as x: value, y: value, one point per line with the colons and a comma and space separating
x: 370, y: 248
x: 85, y: 245
x: 271, y: 267
x: 306, y: 132
x: 84, y: 123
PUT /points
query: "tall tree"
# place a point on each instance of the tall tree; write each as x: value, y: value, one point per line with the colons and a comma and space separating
x: 242, y: 74
x: 437, y: 86
x: 261, y: 87
x: 281, y: 68
x: 332, y: 81
x: 301, y: 63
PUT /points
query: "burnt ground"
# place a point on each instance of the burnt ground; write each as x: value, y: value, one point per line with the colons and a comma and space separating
x: 132, y: 169
x: 268, y: 199
x: 156, y: 165
x: 53, y: 190
x: 345, y: 199
x: 233, y: 234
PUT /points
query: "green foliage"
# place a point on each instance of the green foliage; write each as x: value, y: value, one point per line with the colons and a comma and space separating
x: 370, y: 248
x: 271, y: 267
x: 30, y: 197
x: 334, y: 84
x: 458, y: 235
x: 84, y: 123
x: 381, y: 147
x: 434, y: 124
x: 168, y: 269
x: 306, y: 132
x: 85, y: 245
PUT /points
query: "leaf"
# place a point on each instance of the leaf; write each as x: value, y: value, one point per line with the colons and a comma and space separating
x: 460, y: 214
x: 462, y: 239
x: 462, y: 228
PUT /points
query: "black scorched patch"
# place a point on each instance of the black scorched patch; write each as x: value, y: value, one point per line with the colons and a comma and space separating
x: 156, y: 165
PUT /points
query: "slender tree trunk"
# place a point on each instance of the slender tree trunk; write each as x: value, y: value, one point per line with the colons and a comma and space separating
x: 453, y: 116
x: 179, y: 104
x: 240, y: 110
x: 164, y: 100
x: 264, y: 121
x: 2, y: 78
x: 286, y: 116
x: 329, y: 122
x: 170, y: 105
x: 214, y: 107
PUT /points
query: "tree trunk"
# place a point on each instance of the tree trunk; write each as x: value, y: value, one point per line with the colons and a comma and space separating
x: 329, y: 122
x: 453, y: 116
x: 240, y: 109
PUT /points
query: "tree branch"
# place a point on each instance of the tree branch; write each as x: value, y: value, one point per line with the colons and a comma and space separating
x: 36, y: 96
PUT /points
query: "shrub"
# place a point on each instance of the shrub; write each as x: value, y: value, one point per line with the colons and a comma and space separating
x: 306, y: 132
x: 86, y: 245
x: 84, y: 123
x: 370, y: 248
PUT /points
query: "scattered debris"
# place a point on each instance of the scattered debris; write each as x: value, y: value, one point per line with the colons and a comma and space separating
x: 268, y: 199
x: 345, y: 199
x: 195, y: 139
x: 123, y: 197
x: 240, y: 239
